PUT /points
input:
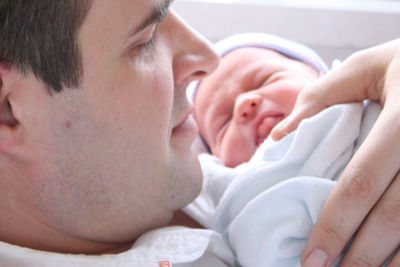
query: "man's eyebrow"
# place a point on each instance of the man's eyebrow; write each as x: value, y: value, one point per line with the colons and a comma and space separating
x: 159, y: 11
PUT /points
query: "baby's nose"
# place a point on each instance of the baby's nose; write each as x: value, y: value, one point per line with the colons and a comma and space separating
x: 246, y: 106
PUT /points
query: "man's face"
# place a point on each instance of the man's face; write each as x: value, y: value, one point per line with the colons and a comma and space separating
x: 115, y: 154
x: 251, y: 91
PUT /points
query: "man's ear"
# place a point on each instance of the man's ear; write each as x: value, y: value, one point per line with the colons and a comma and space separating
x: 8, y: 122
x: 6, y: 114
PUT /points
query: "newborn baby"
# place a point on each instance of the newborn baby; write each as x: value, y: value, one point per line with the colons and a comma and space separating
x: 253, y: 89
x: 265, y: 208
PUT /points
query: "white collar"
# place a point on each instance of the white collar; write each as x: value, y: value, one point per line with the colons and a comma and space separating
x: 171, y: 244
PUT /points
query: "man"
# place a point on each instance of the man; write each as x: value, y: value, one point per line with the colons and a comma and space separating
x: 95, y: 127
x: 95, y: 134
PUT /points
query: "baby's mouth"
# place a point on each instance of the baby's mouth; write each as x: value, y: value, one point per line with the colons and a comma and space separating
x: 265, y: 127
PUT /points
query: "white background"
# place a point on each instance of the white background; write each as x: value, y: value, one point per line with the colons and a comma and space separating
x: 334, y: 28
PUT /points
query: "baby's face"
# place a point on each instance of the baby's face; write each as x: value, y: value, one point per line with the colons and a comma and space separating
x: 251, y: 91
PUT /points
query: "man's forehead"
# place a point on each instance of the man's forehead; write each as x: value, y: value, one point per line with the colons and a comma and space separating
x: 122, y: 18
x: 136, y: 9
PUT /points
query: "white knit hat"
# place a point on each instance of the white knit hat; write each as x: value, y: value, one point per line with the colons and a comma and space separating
x: 289, y: 48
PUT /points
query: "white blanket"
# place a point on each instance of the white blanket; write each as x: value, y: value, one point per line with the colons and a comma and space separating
x: 266, y: 208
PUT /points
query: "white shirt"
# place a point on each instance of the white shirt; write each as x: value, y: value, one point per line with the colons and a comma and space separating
x: 165, y: 247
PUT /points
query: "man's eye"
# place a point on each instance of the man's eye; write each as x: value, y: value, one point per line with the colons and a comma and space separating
x: 147, y: 45
x: 142, y: 50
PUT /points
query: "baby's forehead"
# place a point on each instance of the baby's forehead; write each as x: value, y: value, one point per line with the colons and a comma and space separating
x: 236, y: 66
x: 240, y: 63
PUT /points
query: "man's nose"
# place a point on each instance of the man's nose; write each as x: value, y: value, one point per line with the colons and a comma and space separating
x: 246, y: 107
x: 194, y: 57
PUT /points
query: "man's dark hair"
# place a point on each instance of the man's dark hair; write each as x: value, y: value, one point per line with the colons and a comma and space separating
x: 40, y: 36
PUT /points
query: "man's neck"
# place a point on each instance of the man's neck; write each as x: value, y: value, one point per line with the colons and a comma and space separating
x: 182, y: 219
x: 18, y: 228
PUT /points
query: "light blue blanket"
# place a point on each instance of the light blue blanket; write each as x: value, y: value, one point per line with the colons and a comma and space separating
x: 266, y: 208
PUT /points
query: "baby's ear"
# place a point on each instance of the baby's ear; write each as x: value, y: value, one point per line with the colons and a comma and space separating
x: 8, y: 121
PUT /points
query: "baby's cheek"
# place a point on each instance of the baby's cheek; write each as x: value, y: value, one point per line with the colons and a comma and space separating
x: 287, y: 96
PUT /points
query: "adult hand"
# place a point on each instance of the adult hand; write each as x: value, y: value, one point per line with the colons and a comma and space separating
x: 366, y: 198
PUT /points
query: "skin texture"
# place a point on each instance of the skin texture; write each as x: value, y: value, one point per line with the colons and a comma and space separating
x: 366, y: 197
x: 236, y: 107
x: 91, y: 168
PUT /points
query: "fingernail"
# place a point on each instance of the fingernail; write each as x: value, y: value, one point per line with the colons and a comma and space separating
x: 276, y: 134
x: 317, y: 258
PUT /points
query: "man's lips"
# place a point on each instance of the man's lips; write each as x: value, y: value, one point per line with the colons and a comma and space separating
x: 186, y: 125
x: 264, y: 124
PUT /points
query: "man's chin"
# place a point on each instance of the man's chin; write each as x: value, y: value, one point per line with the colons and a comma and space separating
x: 194, y: 174
x: 185, y: 175
x: 197, y: 175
